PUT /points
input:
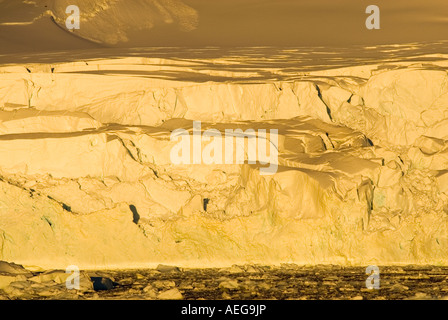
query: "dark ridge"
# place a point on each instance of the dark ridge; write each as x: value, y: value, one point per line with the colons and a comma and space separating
x: 135, y: 215
x: 205, y: 203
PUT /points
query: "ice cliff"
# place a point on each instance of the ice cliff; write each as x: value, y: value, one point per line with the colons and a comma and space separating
x: 86, y: 177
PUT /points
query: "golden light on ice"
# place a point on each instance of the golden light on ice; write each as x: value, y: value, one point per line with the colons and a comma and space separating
x: 117, y: 153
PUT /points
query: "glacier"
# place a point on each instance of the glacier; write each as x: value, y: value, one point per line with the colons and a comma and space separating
x: 86, y: 177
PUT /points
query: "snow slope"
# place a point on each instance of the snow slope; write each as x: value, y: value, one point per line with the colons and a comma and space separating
x: 109, y: 22
x: 39, y: 25
x: 86, y: 177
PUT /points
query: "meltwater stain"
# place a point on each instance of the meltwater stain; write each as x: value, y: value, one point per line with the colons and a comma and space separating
x: 205, y: 203
x: 135, y: 215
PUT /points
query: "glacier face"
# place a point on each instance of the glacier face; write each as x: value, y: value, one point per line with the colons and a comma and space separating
x: 86, y: 177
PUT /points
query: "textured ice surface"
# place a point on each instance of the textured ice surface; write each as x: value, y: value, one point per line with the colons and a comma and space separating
x: 86, y: 177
